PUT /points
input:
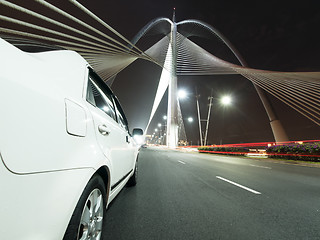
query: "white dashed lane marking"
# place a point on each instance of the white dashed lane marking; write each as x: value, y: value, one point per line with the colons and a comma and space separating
x: 238, y: 185
x: 260, y: 166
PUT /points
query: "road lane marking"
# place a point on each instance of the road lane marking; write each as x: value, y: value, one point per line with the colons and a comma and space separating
x: 238, y: 185
x: 181, y: 162
x: 259, y: 166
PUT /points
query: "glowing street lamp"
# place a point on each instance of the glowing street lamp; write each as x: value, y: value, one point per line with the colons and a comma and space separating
x: 190, y: 119
x: 182, y: 94
x: 226, y: 100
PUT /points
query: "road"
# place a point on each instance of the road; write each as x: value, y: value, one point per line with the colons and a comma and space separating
x: 200, y: 196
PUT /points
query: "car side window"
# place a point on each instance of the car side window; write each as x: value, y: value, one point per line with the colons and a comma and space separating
x: 122, y: 122
x: 100, y: 99
x: 121, y: 117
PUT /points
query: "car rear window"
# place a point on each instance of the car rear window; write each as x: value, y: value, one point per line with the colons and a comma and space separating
x: 98, y: 98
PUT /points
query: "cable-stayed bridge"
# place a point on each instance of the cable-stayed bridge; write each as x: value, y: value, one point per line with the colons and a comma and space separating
x: 108, y: 52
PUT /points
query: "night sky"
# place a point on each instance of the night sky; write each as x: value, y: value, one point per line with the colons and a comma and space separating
x: 270, y: 35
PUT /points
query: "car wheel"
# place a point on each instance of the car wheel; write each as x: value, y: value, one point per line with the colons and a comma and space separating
x: 88, y: 216
x: 134, y: 178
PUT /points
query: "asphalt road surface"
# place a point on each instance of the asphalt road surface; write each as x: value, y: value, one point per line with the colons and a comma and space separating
x: 199, y: 196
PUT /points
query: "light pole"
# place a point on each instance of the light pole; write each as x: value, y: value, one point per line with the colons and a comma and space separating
x: 208, y: 118
x: 160, y: 133
x: 190, y: 120
x: 164, y: 139
x: 155, y: 135
x: 199, y: 119
x: 224, y: 100
x: 182, y: 94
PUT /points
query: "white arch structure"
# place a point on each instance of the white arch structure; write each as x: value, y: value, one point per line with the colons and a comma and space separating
x: 169, y: 79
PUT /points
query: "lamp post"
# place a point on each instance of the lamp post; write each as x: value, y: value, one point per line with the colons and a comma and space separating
x: 208, y: 118
x: 190, y: 120
x: 164, y: 138
x: 224, y: 100
x: 160, y: 133
x: 199, y: 119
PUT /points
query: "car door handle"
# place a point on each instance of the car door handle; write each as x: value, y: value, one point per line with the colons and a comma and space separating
x: 103, y: 129
x: 127, y: 139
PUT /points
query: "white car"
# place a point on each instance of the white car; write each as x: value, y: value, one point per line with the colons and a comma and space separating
x: 65, y: 146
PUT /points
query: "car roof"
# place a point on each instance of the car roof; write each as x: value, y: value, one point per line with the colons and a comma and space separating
x: 31, y: 46
x: 63, y: 68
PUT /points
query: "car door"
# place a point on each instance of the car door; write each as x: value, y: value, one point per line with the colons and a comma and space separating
x: 110, y: 135
x: 130, y: 156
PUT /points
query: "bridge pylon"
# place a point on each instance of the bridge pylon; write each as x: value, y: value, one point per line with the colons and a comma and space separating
x: 171, y: 62
x: 172, y: 114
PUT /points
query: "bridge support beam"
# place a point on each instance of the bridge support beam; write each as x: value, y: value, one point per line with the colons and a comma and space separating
x: 278, y: 131
x: 172, y: 119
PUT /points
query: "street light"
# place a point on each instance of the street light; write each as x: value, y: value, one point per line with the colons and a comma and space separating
x: 160, y: 132
x: 190, y: 120
x: 182, y: 94
x: 164, y: 128
x: 226, y: 100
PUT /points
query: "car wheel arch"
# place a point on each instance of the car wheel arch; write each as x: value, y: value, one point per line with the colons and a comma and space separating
x: 104, y: 173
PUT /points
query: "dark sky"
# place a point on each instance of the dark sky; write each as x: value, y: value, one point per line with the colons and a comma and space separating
x: 275, y: 35
x: 270, y: 35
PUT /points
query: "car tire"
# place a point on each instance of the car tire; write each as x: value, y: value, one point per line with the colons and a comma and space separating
x: 86, y: 222
x: 134, y: 178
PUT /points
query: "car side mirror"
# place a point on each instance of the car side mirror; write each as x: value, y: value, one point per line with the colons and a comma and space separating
x: 137, y: 132
x: 138, y: 137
